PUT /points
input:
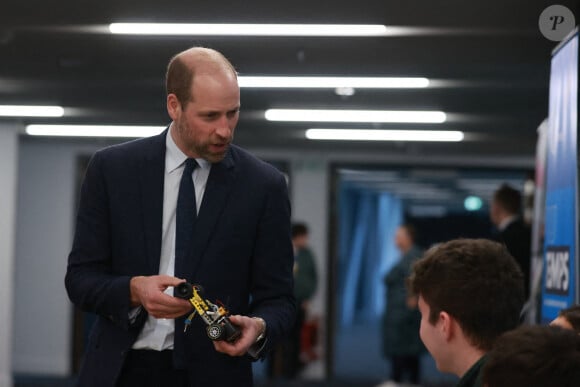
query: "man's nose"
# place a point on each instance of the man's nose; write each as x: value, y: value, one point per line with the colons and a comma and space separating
x: 223, y: 128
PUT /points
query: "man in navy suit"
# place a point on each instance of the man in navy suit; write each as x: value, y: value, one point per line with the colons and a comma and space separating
x: 123, y: 264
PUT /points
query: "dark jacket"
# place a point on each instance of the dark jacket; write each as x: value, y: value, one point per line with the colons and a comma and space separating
x: 401, y: 324
x: 517, y: 238
x: 240, y: 251
x: 473, y: 376
x: 305, y: 276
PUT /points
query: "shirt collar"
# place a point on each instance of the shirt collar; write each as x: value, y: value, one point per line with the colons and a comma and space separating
x: 174, y: 157
x: 506, y: 222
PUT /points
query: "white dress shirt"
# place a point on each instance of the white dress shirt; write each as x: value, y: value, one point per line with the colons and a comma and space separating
x: 157, y: 334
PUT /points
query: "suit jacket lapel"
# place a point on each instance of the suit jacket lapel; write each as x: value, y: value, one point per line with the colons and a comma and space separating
x: 217, y: 190
x: 152, y: 172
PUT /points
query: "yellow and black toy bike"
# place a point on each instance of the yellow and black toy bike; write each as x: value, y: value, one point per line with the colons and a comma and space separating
x: 219, y: 326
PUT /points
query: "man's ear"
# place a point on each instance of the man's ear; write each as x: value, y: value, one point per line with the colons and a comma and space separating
x: 173, y: 106
x: 447, y: 326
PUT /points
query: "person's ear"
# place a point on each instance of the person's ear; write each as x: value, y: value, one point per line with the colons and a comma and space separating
x: 446, y: 326
x: 173, y: 107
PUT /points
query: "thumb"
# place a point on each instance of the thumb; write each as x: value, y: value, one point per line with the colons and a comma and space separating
x: 167, y: 280
x: 236, y: 319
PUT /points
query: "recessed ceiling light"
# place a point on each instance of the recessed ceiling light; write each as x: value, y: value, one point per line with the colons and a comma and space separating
x: 345, y: 91
x: 93, y: 130
x: 30, y: 111
x: 332, y: 82
x: 206, y: 29
x: 398, y: 116
x: 384, y: 135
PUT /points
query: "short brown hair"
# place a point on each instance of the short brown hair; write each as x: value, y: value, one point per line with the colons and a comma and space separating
x: 538, y: 356
x: 508, y: 198
x: 474, y: 280
x: 299, y: 229
x: 178, y: 80
x: 180, y: 74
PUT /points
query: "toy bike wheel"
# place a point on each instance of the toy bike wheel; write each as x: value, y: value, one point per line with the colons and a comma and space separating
x: 184, y: 290
x: 215, y: 331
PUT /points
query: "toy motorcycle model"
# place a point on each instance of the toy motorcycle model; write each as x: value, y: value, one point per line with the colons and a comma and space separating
x: 219, y: 326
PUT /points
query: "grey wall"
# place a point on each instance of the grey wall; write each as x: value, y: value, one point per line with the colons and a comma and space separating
x: 8, y: 177
x: 42, y: 313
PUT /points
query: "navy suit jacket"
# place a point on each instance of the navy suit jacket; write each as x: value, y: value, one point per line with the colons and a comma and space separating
x: 240, y: 252
x: 517, y: 237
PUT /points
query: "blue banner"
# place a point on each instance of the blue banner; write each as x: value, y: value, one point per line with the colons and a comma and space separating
x: 559, y: 285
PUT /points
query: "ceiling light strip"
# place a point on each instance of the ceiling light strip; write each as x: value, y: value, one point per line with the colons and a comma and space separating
x: 396, y: 116
x: 93, y: 130
x: 332, y: 82
x: 384, y: 135
x: 204, y: 29
x: 30, y: 111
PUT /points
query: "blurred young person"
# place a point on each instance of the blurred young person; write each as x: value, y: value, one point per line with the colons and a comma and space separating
x: 285, y: 361
x: 401, y: 342
x: 470, y: 291
x: 536, y: 356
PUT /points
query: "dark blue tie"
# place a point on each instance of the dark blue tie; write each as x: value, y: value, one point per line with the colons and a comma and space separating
x: 185, y: 217
x: 186, y: 212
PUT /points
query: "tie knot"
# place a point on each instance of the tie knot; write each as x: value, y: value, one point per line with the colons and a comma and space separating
x: 190, y: 165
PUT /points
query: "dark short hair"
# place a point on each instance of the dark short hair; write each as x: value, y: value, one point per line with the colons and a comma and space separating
x: 537, y: 356
x: 508, y: 198
x: 474, y: 280
x: 299, y: 229
x: 572, y: 315
x: 178, y: 80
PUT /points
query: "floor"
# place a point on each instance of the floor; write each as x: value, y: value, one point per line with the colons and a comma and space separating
x: 358, y: 357
x: 59, y: 382
x: 358, y: 363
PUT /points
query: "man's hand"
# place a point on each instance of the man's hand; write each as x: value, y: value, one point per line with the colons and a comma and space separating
x: 251, y: 329
x: 149, y: 292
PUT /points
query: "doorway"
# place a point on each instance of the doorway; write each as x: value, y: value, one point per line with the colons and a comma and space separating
x: 368, y: 205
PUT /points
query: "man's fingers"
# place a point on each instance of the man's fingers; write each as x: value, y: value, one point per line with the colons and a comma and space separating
x: 164, y: 311
x: 161, y: 305
x: 167, y: 280
x: 241, y: 346
x: 237, y: 319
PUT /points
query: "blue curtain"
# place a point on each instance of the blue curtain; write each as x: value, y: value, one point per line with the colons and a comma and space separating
x: 367, y: 224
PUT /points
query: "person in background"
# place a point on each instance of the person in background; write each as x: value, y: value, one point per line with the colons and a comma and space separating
x: 305, y: 284
x: 470, y: 292
x: 505, y: 211
x: 401, y: 321
x: 184, y: 205
x: 285, y: 361
x: 568, y: 319
x: 534, y: 356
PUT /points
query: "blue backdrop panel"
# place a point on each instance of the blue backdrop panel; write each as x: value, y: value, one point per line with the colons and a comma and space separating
x: 559, y: 286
